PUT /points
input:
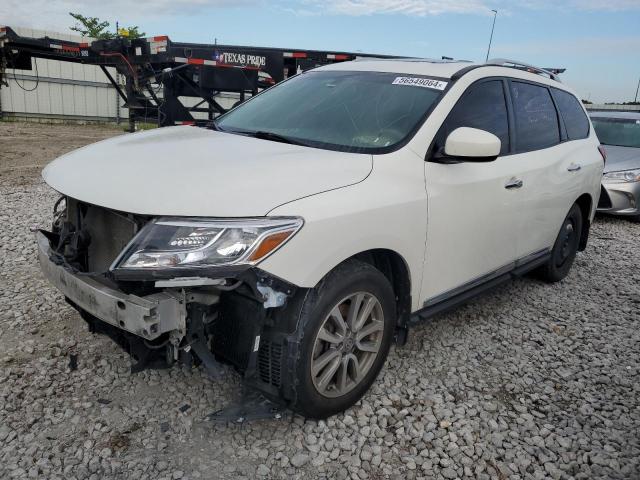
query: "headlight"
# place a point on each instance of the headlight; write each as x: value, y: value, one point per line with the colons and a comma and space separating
x: 626, y: 176
x: 168, y: 243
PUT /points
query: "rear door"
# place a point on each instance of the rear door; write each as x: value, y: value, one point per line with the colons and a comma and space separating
x: 471, y: 233
x: 549, y: 164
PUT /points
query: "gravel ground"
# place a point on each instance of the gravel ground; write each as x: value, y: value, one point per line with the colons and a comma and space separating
x: 529, y: 381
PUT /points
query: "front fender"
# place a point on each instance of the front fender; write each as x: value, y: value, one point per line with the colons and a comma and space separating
x: 386, y: 211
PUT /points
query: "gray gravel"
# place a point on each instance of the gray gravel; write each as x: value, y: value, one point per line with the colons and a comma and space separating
x: 530, y: 381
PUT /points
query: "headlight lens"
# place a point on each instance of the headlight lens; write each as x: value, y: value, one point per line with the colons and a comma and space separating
x: 625, y: 176
x: 197, y: 242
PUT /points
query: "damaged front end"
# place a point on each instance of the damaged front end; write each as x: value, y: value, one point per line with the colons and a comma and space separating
x: 177, y: 289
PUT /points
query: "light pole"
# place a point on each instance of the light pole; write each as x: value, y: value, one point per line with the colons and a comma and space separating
x: 495, y: 14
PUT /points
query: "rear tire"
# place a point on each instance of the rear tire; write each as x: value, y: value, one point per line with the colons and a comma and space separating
x: 345, y: 330
x: 565, y: 248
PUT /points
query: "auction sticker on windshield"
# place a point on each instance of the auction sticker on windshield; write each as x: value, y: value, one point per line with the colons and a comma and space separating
x: 420, y: 82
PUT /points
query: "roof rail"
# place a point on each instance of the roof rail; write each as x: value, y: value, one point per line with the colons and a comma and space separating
x: 504, y: 62
x: 410, y: 59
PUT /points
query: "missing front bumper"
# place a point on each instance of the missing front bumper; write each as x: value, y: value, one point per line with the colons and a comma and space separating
x: 148, y: 317
x: 196, y: 326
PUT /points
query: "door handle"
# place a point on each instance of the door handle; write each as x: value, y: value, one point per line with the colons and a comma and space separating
x: 513, y: 183
x: 574, y: 167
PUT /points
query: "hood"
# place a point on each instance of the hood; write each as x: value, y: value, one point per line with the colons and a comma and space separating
x: 621, y: 158
x: 190, y: 171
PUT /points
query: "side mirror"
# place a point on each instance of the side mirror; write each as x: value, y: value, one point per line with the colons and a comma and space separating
x: 466, y: 144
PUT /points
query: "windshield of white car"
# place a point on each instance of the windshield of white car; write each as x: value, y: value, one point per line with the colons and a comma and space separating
x: 367, y: 112
x: 621, y: 132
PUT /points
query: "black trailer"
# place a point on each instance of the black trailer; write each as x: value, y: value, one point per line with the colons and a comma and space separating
x: 158, y: 71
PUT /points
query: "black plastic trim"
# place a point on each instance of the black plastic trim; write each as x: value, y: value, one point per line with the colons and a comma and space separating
x: 604, y: 202
x: 563, y: 128
x: 463, y: 71
x: 511, y: 115
x: 470, y: 290
x: 448, y: 159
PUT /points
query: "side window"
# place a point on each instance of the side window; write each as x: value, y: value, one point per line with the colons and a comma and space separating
x: 482, y: 106
x: 536, y: 117
x: 575, y: 120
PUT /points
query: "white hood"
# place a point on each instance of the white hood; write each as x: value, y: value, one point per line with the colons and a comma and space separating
x: 189, y: 171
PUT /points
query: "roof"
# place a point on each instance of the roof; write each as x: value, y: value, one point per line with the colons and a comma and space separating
x: 416, y: 66
x: 620, y: 115
x: 445, y: 68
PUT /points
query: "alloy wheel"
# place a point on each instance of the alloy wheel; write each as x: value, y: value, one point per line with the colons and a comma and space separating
x: 347, y: 344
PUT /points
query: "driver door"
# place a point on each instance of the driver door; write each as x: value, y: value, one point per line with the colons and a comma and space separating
x: 473, y: 207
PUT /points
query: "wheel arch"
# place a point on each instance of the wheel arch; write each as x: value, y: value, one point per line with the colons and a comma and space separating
x: 395, y: 268
x: 585, y: 202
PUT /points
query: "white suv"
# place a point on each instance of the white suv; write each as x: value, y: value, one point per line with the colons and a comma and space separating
x: 297, y: 237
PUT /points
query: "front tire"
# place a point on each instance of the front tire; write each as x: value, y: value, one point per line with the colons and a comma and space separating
x: 345, y: 327
x: 564, y: 249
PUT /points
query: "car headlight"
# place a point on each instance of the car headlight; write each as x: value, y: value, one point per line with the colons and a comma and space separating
x: 168, y: 243
x: 625, y: 176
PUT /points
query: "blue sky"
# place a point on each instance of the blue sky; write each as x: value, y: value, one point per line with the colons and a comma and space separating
x: 597, y: 41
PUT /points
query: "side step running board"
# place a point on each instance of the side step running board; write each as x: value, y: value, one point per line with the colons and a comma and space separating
x: 462, y: 295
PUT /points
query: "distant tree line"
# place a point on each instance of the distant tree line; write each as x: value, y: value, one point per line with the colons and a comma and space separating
x: 622, y: 103
x: 587, y: 102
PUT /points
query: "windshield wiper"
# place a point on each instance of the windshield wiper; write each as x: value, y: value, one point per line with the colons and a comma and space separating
x: 275, y: 137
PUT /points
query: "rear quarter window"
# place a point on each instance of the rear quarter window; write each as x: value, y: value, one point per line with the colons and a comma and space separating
x: 536, y: 117
x: 575, y: 120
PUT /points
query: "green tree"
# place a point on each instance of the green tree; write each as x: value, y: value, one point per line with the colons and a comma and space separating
x: 93, y: 27
x: 133, y: 32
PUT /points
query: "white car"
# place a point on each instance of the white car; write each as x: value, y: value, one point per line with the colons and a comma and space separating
x: 297, y: 237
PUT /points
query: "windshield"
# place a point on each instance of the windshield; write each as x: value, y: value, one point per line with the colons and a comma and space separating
x: 348, y: 111
x: 623, y: 132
